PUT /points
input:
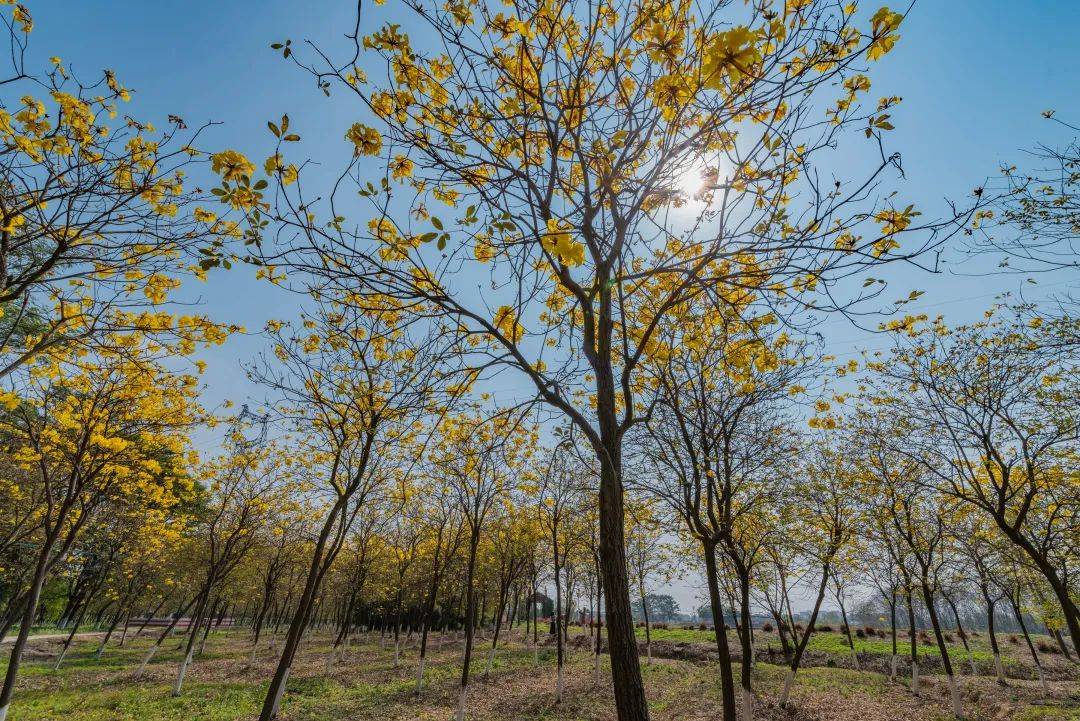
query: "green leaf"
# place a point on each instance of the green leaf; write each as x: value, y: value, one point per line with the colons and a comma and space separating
x: 436, y: 222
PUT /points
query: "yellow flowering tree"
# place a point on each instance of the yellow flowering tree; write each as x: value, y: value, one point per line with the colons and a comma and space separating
x: 354, y: 387
x: 987, y: 412
x: 94, y: 431
x: 552, y: 179
x: 98, y: 219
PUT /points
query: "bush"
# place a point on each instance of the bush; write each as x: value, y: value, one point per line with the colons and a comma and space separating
x: 949, y: 637
x: 859, y: 633
x: 882, y: 633
x: 1047, y: 647
x: 661, y: 625
x: 703, y: 627
x: 823, y: 629
x: 799, y: 627
x: 869, y: 630
x: 1013, y: 639
x: 844, y: 629
x: 767, y: 627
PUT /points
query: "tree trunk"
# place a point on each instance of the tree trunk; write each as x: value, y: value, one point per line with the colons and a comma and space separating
x: 1031, y: 646
x: 800, y: 647
x: 558, y: 620
x: 892, y: 632
x: 302, y: 615
x: 746, y: 669
x: 1061, y: 590
x: 470, y: 619
x: 954, y: 691
x: 847, y: 630
x: 727, y: 677
x: 963, y: 635
x: 29, y: 611
x: 999, y: 670
x: 163, y: 635
x: 914, y: 643
x: 630, y: 701
x: 109, y: 633
x: 645, y: 614
x: 193, y: 631
x: 150, y: 617
x: 74, y: 629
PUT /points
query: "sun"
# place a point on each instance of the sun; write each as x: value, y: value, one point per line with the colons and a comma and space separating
x: 697, y: 176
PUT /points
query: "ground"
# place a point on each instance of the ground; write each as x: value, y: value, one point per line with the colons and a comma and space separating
x: 223, y: 685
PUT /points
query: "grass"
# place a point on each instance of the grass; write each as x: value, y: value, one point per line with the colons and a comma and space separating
x: 223, y: 686
x: 836, y: 643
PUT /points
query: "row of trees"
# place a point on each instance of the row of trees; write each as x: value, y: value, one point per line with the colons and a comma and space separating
x: 446, y: 523
x: 661, y: 335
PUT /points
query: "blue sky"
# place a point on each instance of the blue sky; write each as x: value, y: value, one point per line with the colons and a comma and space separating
x: 974, y: 74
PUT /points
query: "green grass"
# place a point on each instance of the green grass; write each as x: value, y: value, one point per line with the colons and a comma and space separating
x: 223, y: 687
x: 836, y: 643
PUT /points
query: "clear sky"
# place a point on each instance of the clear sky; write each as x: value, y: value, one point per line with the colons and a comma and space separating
x: 975, y: 76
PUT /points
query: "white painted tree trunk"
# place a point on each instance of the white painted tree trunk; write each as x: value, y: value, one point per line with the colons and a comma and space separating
x: 280, y: 692
x: 146, y: 660
x: 789, y: 681
x: 397, y: 653
x: 954, y: 693
x: 254, y: 648
x: 460, y: 716
x: 747, y: 705
x: 915, y: 677
x: 971, y: 659
x: 180, y: 676
x: 999, y: 669
x: 855, y: 658
x: 892, y: 667
x: 559, y: 685
x: 63, y: 652
x: 3, y: 712
x: 491, y: 661
x: 1042, y: 680
x: 420, y: 675
x: 596, y: 669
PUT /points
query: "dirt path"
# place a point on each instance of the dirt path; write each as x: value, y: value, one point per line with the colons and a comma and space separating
x: 51, y: 637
